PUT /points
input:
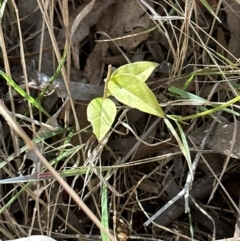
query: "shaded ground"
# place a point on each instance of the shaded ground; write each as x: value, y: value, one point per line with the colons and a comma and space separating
x: 197, y: 50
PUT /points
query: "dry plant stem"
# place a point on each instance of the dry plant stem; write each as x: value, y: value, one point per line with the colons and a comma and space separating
x: 229, y: 239
x: 135, y: 147
x: 202, y: 189
x: 223, y: 188
x: 113, y: 40
x: 98, y: 149
x: 33, y: 218
x: 64, y: 184
x: 178, y: 235
x: 190, y: 176
x: 228, y: 157
x: 68, y: 57
x: 212, y: 29
x: 237, y: 225
x: 58, y: 56
x: 106, y: 81
x: 41, y: 46
x: 165, y: 33
x: 189, y: 181
x: 80, y: 17
x: 78, y: 230
x: 15, y: 228
x: 22, y: 55
x: 8, y: 72
x: 184, y: 34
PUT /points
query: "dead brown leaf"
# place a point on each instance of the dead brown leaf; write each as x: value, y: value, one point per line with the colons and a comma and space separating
x: 125, y: 18
x: 220, y: 140
x: 232, y: 9
x: 84, y: 24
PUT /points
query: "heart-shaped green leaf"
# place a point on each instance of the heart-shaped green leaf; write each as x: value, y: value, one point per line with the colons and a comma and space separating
x: 131, y: 91
x: 101, y: 112
x: 142, y: 69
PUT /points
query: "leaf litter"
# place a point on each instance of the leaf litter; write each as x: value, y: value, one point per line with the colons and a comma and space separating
x: 147, y: 167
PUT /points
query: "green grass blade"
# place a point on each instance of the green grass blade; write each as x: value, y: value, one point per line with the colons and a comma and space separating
x: 188, y: 82
x: 188, y: 95
x: 65, y: 154
x: 47, y: 175
x: 208, y: 7
x: 185, y: 145
x: 55, y: 75
x: 182, y: 142
x: 209, y: 112
x: 14, y: 198
x: 105, y: 214
x: 36, y: 141
x: 23, y: 93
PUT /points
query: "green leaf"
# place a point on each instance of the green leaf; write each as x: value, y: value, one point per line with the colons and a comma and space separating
x: 101, y: 112
x: 142, y: 69
x: 129, y: 90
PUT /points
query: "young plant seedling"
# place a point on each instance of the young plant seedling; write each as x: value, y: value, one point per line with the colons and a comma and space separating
x: 127, y: 85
